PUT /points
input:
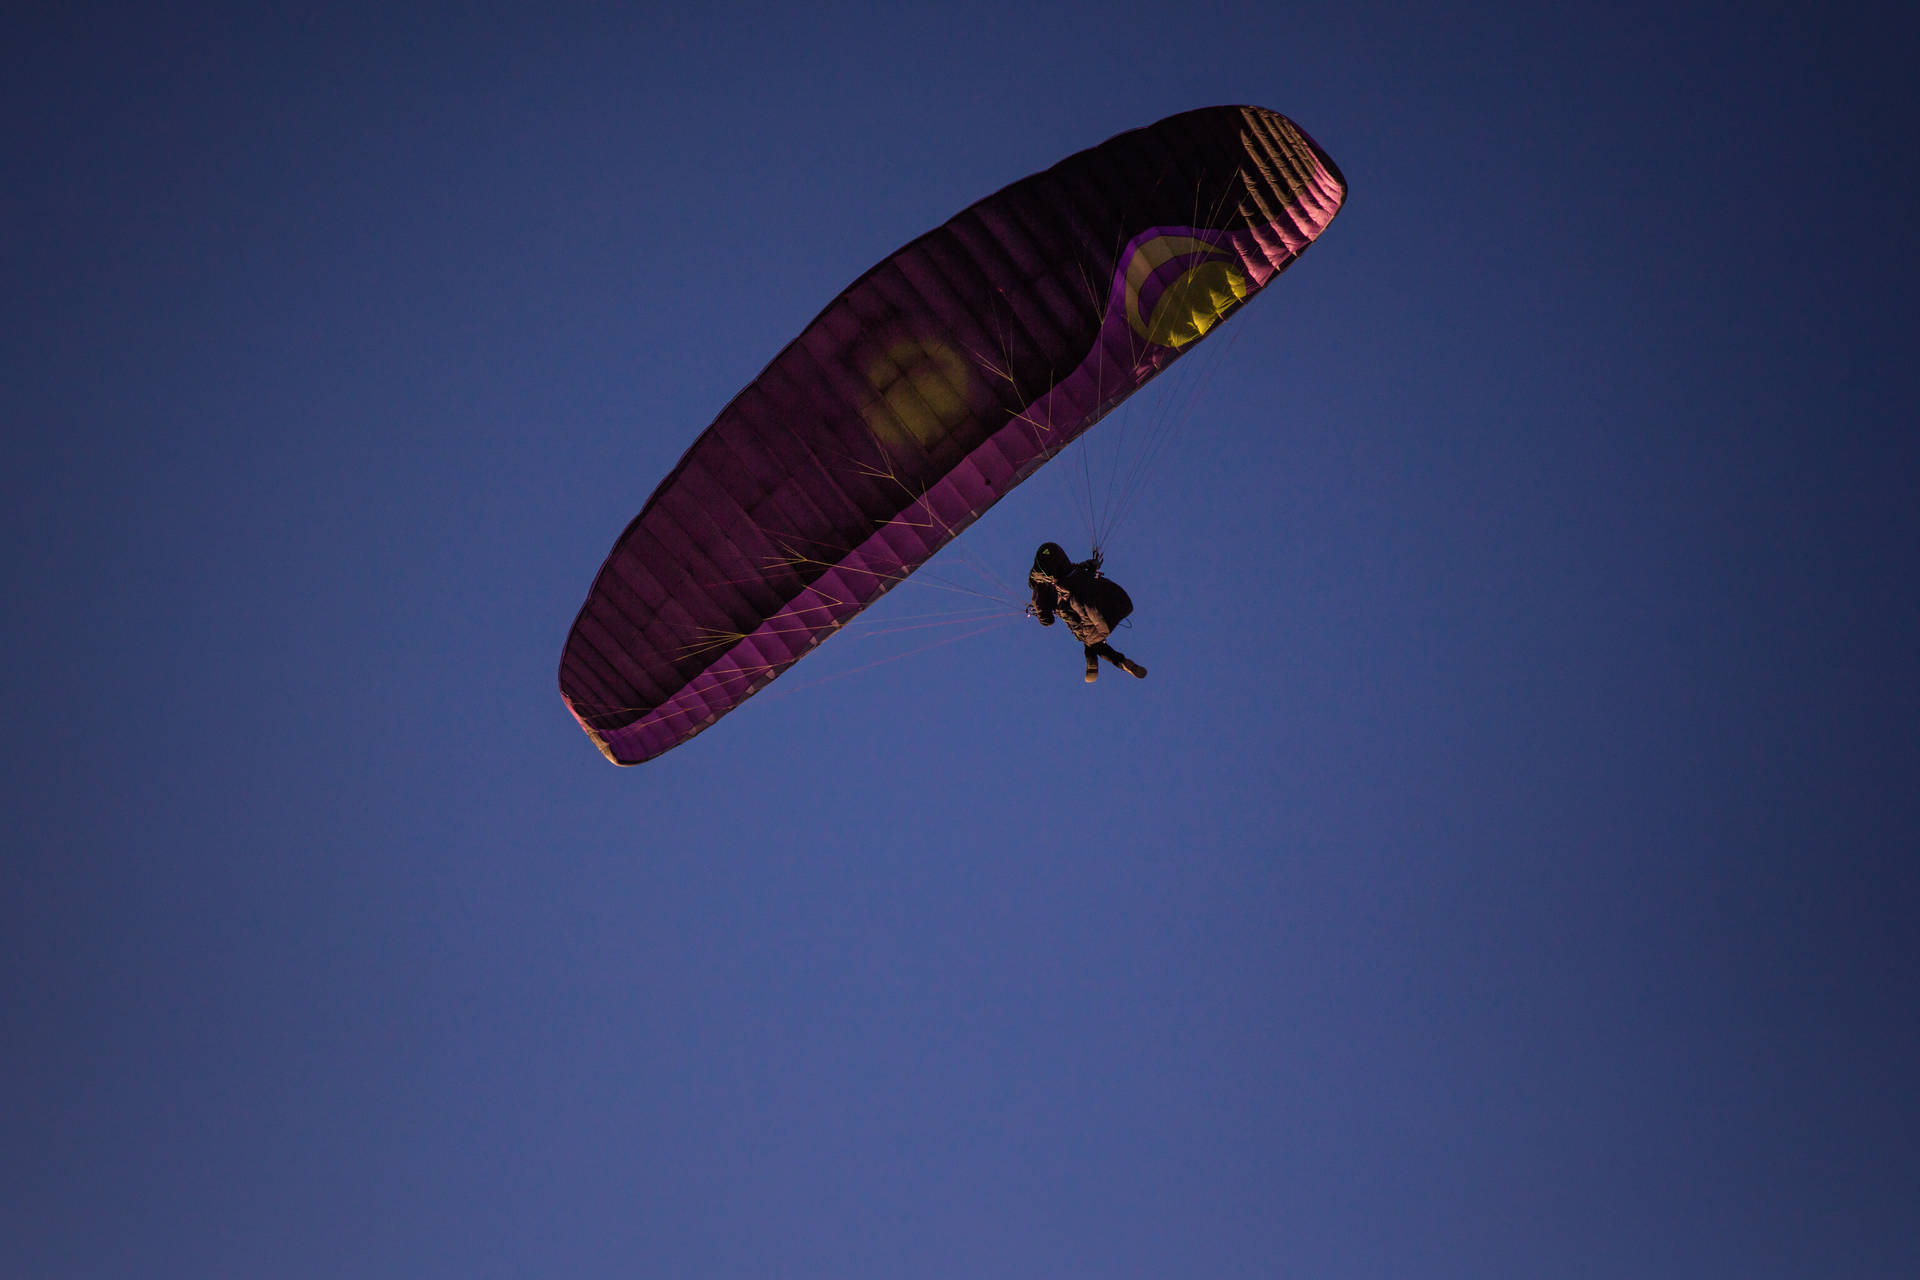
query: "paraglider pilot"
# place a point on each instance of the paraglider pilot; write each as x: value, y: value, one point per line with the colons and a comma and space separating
x: 1092, y: 604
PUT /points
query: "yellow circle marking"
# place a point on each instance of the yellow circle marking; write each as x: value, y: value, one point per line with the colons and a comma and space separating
x: 1192, y: 304
x: 922, y: 386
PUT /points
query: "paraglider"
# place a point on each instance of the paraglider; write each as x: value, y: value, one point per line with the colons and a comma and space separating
x: 1092, y: 603
x: 935, y: 383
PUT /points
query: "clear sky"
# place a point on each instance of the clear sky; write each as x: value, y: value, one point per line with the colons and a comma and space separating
x: 1507, y: 870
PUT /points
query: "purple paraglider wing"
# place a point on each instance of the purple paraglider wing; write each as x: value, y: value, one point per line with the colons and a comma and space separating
x: 940, y: 379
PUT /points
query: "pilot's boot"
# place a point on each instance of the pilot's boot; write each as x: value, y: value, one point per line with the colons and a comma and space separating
x: 1117, y: 658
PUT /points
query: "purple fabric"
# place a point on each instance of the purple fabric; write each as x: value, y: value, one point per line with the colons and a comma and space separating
x: 918, y: 398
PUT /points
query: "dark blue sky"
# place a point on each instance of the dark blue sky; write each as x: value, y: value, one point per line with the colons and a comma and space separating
x: 1507, y: 870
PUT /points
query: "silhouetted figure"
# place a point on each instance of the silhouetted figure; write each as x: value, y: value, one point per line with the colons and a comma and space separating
x: 1092, y: 604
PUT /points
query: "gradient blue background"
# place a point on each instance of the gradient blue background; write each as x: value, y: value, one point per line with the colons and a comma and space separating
x: 1507, y: 870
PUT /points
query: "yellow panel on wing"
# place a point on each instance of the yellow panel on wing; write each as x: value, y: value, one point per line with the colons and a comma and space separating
x: 922, y: 388
x: 1195, y: 301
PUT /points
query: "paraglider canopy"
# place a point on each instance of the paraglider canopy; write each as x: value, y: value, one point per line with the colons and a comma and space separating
x: 944, y: 376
